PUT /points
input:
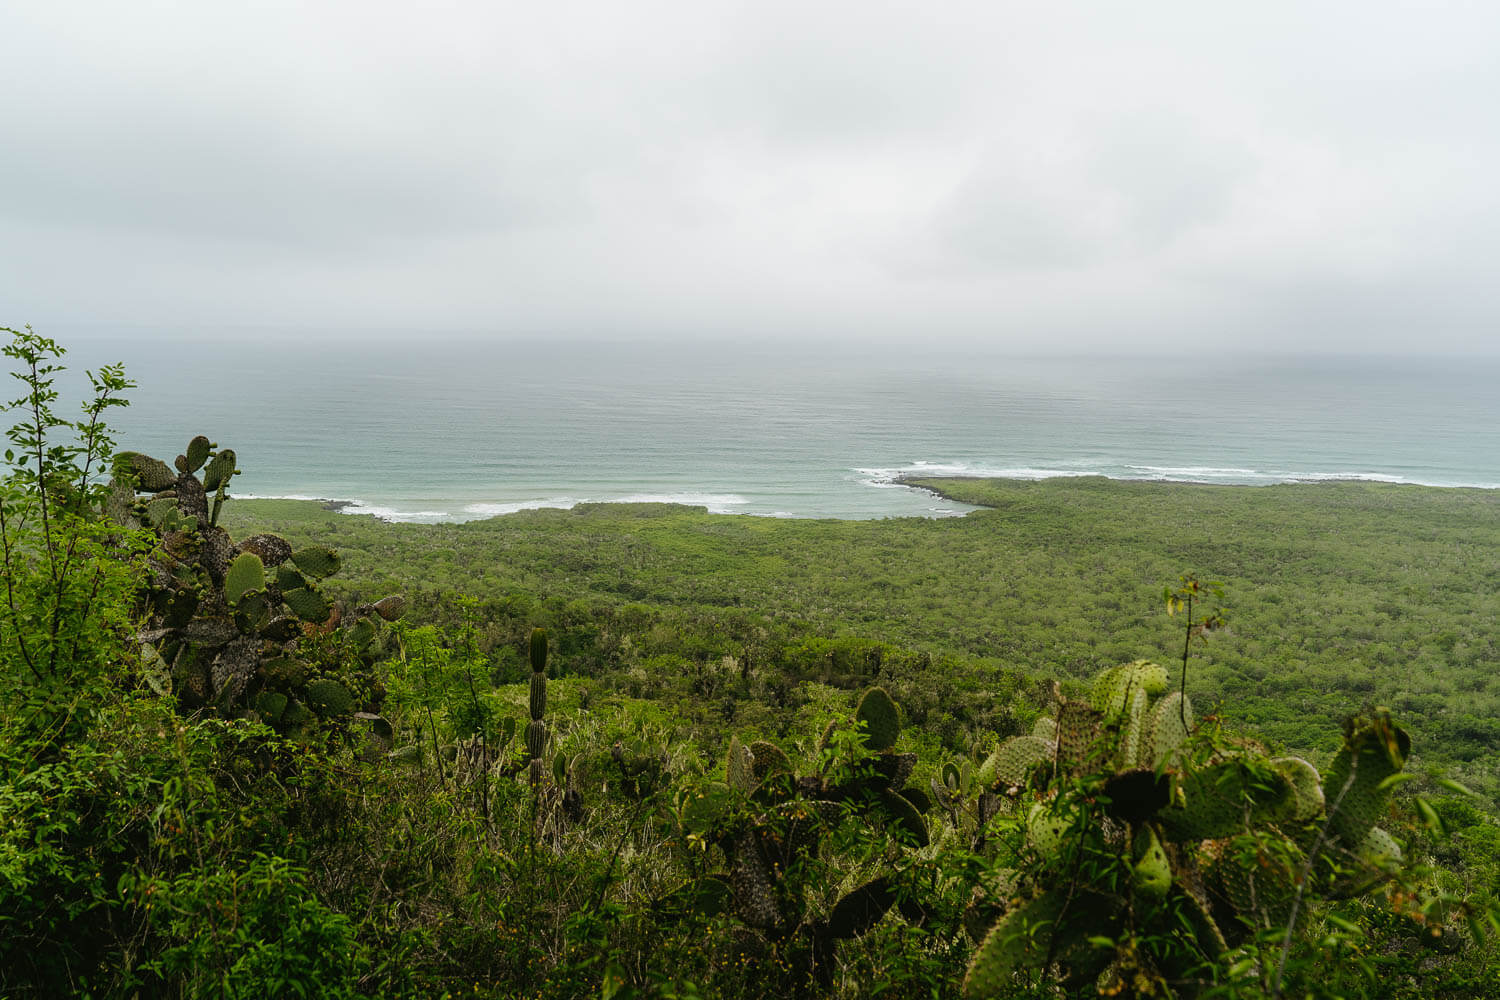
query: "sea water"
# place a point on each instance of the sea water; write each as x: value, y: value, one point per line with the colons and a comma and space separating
x: 433, y: 428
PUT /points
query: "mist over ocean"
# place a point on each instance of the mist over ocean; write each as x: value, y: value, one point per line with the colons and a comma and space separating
x: 433, y: 429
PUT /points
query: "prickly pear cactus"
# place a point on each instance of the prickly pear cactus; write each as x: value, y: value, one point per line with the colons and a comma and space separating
x: 1195, y: 846
x: 770, y: 822
x: 236, y: 625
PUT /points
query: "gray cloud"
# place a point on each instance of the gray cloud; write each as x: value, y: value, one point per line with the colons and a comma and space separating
x: 1282, y: 175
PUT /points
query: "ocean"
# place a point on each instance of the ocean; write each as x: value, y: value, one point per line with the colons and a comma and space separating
x: 428, y: 428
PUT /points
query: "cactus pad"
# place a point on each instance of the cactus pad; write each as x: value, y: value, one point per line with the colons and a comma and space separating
x: 253, y: 612
x: 1045, y: 830
x: 1219, y: 800
x: 220, y: 468
x: 739, y: 767
x: 317, y: 561
x: 307, y: 604
x: 920, y: 800
x: 1027, y: 935
x: 905, y: 817
x: 1380, y: 849
x: 246, y: 574
x: 270, y: 705
x: 152, y: 474
x: 1077, y: 731
x: 754, y: 895
x: 1167, y: 732
x: 1374, y: 749
x: 1306, y: 801
x: 1151, y: 873
x: 704, y: 808
x: 235, y: 665
x: 1131, y: 726
x: 329, y: 697
x: 362, y: 633
x: 1257, y: 877
x: 272, y: 549
x: 285, y: 670
x: 1016, y: 760
x: 767, y: 759
x: 197, y: 453
x: 210, y: 632
x: 861, y: 909
x: 296, y: 716
x: 881, y: 719
x: 390, y: 608
x: 287, y: 578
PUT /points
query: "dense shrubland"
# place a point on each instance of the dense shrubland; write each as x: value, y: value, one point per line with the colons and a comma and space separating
x: 652, y: 753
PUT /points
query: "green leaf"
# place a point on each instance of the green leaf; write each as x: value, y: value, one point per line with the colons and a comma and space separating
x: 1347, y: 926
x: 1454, y: 786
x: 1430, y: 817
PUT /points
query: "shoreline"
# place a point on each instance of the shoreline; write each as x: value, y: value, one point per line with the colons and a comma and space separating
x: 935, y: 487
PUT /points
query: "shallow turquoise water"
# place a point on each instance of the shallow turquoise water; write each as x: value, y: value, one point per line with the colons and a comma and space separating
x: 429, y: 428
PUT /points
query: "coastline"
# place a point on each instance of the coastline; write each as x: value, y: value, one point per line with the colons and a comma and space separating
x: 976, y: 493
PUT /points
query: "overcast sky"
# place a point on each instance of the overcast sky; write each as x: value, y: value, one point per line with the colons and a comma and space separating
x: 1106, y: 175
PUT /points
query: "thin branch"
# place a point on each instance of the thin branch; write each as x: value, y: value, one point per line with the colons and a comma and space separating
x: 11, y: 559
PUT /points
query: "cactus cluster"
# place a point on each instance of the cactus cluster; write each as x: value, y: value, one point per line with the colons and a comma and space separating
x: 226, y: 622
x: 1136, y: 825
x: 771, y: 824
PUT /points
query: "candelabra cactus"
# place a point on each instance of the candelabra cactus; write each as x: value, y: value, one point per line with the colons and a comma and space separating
x: 1135, y: 823
x: 226, y: 624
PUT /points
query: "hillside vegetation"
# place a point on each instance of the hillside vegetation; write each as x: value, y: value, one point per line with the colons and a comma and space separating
x: 264, y: 749
x: 1341, y: 595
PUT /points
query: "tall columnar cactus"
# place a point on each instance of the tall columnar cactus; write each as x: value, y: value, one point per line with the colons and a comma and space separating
x: 536, y: 730
x: 1193, y: 852
x: 225, y: 622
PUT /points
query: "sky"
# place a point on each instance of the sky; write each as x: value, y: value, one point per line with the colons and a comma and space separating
x: 1104, y: 176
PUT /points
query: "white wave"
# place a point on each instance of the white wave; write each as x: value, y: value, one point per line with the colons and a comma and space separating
x: 886, y: 478
x: 395, y: 514
x: 891, y: 477
x: 1360, y: 477
x: 1202, y: 470
x: 497, y: 509
x: 290, y: 496
x: 717, y: 503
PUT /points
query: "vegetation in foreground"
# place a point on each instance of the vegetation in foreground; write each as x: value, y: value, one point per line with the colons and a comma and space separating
x: 222, y: 773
